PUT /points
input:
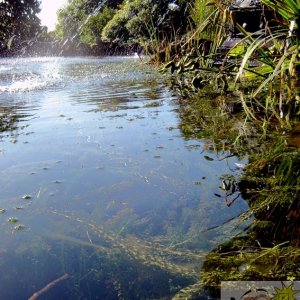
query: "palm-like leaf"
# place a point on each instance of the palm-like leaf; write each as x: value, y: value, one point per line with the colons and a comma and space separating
x: 280, y: 67
x: 288, y: 9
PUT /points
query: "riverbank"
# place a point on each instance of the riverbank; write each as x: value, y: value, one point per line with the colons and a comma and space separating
x: 267, y: 248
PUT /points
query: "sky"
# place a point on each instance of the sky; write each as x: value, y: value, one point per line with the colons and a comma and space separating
x: 48, y: 13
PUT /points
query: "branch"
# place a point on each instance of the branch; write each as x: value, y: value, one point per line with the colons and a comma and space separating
x: 50, y: 285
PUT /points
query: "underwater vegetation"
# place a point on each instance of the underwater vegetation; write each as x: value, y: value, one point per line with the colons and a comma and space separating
x: 181, y: 262
x: 175, y: 265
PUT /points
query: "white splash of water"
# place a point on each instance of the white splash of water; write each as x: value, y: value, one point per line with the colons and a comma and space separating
x: 3, y: 68
x: 29, y: 80
x: 23, y: 86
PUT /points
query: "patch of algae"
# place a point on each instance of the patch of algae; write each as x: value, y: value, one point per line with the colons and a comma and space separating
x: 178, y: 262
x: 240, y: 260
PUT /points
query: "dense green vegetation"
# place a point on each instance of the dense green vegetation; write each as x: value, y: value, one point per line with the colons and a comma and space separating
x: 188, y: 36
x: 268, y: 246
x: 149, y: 24
x: 83, y: 21
x: 19, y: 22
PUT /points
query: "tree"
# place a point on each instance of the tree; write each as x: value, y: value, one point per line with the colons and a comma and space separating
x: 141, y: 20
x: 92, y: 22
x: 18, y: 18
x: 69, y: 19
x: 83, y: 20
x: 91, y: 31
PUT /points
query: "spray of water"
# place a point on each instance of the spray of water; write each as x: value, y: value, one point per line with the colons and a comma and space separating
x: 68, y: 41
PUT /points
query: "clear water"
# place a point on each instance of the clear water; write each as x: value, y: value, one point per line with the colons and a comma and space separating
x: 117, y: 198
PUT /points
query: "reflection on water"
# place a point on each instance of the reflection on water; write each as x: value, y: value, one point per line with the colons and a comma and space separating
x: 97, y: 182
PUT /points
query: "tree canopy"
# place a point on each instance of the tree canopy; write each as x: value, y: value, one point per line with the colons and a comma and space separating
x: 95, y: 22
x: 19, y: 19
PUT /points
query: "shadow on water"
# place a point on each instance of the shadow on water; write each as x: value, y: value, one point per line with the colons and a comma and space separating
x: 128, y: 188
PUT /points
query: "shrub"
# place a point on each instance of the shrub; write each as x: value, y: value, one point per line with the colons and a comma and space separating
x: 129, y: 23
x: 91, y: 31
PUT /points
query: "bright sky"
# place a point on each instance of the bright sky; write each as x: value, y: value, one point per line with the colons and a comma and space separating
x: 48, y: 13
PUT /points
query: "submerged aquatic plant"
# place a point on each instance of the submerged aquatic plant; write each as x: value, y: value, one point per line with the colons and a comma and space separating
x: 179, y: 262
x: 242, y: 259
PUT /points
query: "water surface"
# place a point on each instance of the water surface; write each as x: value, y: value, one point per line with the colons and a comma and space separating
x: 98, y: 182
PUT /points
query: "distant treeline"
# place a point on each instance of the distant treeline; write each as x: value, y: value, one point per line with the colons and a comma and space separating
x: 94, y: 27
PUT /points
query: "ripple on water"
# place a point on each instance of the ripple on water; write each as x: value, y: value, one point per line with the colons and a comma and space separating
x: 130, y: 196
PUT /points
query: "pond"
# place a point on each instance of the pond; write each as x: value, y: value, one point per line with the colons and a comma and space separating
x: 100, y: 185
